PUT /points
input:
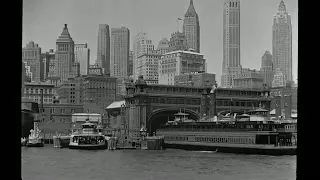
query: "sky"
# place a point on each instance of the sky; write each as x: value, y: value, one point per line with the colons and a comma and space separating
x: 43, y: 21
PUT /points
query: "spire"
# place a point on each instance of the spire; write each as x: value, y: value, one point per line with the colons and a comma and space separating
x: 282, y: 6
x: 191, y: 10
x: 65, y: 35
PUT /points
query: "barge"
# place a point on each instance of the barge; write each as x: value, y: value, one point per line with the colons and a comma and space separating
x: 251, y: 133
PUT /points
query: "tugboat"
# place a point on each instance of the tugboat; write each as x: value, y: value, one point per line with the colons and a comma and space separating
x: 35, y: 139
x: 88, y: 138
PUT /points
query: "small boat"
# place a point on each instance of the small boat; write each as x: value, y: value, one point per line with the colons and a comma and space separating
x: 35, y: 139
x: 88, y: 138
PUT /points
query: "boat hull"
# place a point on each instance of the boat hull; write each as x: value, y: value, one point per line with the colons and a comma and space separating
x: 88, y: 147
x: 35, y: 144
x: 276, y: 151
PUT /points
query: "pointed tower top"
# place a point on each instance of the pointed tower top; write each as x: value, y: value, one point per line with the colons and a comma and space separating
x: 191, y: 10
x: 282, y: 6
x: 65, y: 35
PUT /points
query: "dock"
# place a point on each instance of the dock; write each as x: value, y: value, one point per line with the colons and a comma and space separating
x: 61, y: 141
x: 154, y: 142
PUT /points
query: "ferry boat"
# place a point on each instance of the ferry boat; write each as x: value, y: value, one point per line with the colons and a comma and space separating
x: 251, y: 133
x: 179, y: 117
x: 90, y: 137
x: 35, y: 138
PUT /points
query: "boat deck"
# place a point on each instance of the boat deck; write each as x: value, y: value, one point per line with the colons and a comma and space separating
x: 253, y: 146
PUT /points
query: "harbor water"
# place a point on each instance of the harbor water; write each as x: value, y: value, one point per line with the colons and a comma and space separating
x: 51, y: 163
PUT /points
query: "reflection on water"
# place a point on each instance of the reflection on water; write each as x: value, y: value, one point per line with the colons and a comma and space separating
x: 53, y: 163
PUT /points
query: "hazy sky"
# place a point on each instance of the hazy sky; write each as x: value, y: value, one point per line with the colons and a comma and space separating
x: 43, y: 21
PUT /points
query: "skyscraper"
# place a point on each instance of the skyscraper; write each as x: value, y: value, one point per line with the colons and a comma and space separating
x: 119, y: 59
x: 266, y: 68
x: 282, y: 41
x: 231, y: 42
x: 65, y: 66
x: 141, y: 45
x: 31, y: 56
x: 82, y: 56
x: 191, y: 28
x: 103, y: 48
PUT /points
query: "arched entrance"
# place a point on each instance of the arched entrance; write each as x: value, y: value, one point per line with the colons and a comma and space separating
x: 161, y: 116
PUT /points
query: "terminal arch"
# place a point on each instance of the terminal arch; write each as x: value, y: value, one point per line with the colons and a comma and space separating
x: 160, y: 116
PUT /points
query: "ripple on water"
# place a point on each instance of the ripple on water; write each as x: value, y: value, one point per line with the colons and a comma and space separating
x: 54, y: 163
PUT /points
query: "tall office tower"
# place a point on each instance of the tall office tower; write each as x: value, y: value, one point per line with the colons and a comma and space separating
x: 82, y: 56
x: 103, y: 51
x: 282, y: 41
x: 266, y: 68
x: 231, y: 42
x: 191, y: 28
x: 65, y: 65
x: 31, y: 56
x: 119, y: 59
x: 141, y: 45
x: 163, y: 46
x: 148, y: 65
x: 178, y: 42
x: 130, y: 72
x: 48, y: 58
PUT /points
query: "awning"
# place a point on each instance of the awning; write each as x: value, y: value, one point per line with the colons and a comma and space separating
x: 116, y: 104
x: 273, y: 112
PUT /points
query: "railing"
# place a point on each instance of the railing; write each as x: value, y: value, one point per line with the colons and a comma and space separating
x: 215, y: 130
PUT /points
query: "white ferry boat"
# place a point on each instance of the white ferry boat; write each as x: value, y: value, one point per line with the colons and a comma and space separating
x: 88, y: 138
x: 180, y: 117
x: 35, y: 138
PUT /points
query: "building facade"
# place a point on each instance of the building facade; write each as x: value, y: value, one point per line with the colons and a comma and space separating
x: 130, y: 71
x: 31, y: 56
x: 266, y: 69
x: 141, y: 45
x: 69, y: 91
x: 65, y: 66
x: 100, y: 90
x: 282, y: 42
x: 178, y: 62
x: 95, y: 70
x: 82, y: 56
x: 231, y: 42
x: 279, y: 78
x: 148, y: 66
x: 48, y: 58
x: 248, y: 79
x: 163, y: 46
x: 34, y: 92
x: 195, y: 79
x: 103, y: 48
x: 119, y: 59
x: 58, y: 117
x: 177, y: 42
x: 283, y: 92
x: 191, y: 28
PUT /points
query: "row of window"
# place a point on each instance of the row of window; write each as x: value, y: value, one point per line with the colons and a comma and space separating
x: 235, y: 140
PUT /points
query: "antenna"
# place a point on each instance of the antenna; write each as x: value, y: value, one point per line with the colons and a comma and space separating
x: 178, y: 24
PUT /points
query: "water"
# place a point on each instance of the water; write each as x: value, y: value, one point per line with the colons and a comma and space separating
x: 64, y: 164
